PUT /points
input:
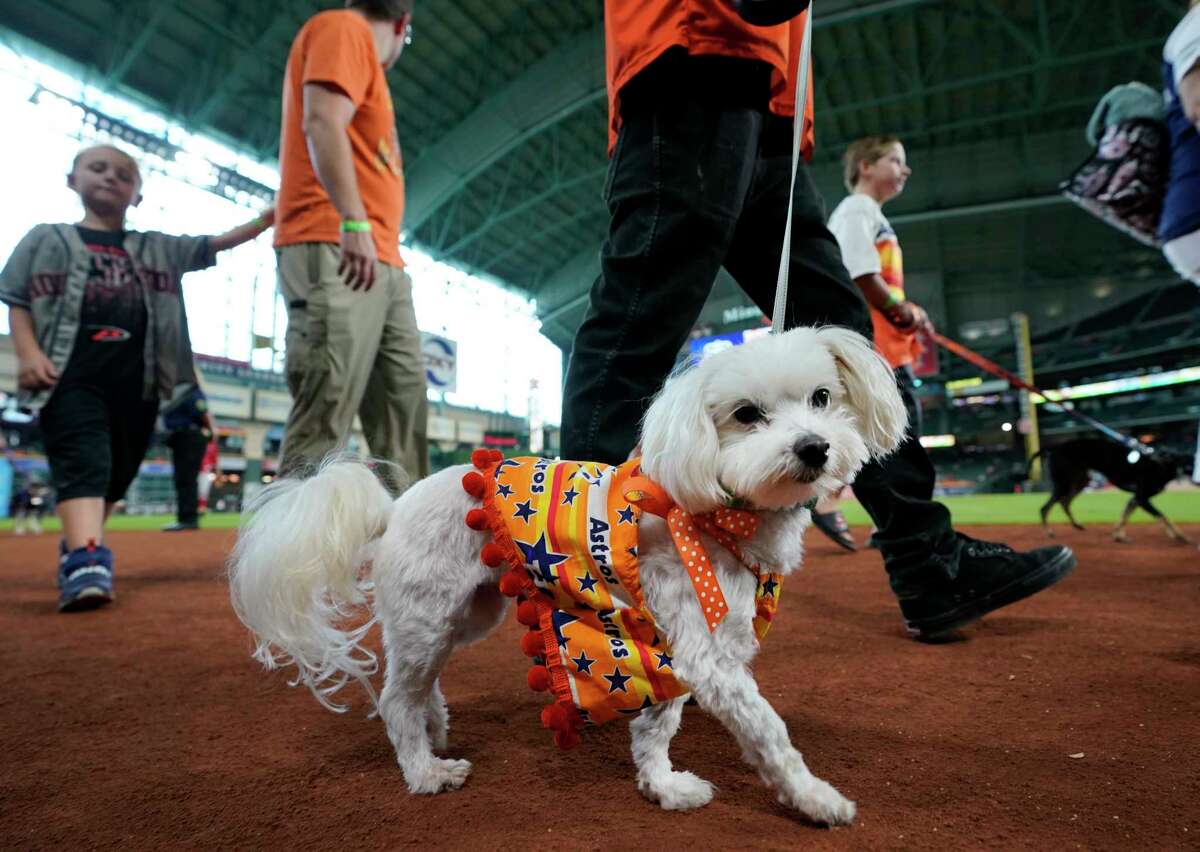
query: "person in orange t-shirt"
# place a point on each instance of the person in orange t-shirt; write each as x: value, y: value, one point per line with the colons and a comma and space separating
x: 353, y: 346
x: 700, y: 140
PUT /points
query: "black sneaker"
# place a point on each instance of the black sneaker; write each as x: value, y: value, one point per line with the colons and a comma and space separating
x: 834, y: 525
x: 989, y: 576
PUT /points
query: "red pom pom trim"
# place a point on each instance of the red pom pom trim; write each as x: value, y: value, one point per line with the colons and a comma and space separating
x: 481, y: 458
x: 532, y: 644
x: 550, y: 715
x: 566, y: 740
x: 496, y: 455
x: 492, y: 554
x: 477, y: 519
x: 511, y: 583
x: 527, y: 613
x: 473, y: 484
x: 538, y: 678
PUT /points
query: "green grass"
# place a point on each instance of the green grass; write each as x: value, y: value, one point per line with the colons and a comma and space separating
x: 212, y: 521
x: 1102, y: 507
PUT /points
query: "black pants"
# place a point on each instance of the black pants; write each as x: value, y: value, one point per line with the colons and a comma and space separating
x: 187, y: 454
x: 95, y: 438
x: 696, y: 183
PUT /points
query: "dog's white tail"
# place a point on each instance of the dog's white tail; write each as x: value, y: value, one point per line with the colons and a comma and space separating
x: 294, y: 575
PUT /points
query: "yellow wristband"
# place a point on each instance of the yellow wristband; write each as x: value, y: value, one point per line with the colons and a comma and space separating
x: 357, y: 226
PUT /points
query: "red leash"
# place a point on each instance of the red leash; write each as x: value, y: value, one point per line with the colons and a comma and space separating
x: 1017, y: 382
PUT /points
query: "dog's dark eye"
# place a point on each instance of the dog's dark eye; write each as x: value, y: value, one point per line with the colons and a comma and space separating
x: 820, y: 398
x: 748, y: 414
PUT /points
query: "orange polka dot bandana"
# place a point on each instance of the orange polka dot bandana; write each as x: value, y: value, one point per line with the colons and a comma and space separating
x: 726, y: 526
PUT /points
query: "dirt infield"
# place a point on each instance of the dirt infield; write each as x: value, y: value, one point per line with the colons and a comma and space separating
x: 1069, y: 720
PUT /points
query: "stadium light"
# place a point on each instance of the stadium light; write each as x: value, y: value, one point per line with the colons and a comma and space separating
x: 1131, y: 383
x: 931, y: 441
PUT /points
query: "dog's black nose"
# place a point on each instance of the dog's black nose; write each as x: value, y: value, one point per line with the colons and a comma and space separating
x: 812, y: 450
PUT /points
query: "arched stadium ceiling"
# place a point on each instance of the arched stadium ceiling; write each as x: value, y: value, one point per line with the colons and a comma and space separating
x: 502, y: 118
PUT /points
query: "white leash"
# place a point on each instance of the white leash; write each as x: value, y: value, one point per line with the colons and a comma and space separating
x: 785, y: 255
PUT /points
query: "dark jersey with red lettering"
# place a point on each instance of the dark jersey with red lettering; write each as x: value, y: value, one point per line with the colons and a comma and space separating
x: 112, y: 323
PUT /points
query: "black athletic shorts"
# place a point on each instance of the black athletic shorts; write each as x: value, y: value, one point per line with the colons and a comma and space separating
x: 95, y: 439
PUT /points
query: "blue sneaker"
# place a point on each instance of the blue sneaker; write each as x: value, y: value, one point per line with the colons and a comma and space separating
x: 85, y: 578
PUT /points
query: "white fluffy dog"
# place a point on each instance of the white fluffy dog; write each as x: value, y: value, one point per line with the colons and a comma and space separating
x: 774, y: 424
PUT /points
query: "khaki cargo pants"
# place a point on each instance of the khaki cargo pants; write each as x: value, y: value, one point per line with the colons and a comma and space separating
x: 351, y: 352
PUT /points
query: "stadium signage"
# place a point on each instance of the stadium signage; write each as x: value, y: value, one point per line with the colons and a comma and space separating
x: 441, y: 362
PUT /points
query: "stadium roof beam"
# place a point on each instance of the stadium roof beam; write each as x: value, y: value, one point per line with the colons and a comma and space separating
x: 518, y: 112
x: 528, y: 204
x: 527, y: 106
x: 133, y: 14
x: 1004, y: 76
x: 276, y: 20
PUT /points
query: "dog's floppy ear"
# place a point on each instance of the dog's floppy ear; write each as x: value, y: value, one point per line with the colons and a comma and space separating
x: 680, y: 444
x: 870, y: 388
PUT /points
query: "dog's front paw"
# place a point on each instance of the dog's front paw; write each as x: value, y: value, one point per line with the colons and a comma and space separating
x: 677, y: 791
x: 439, y: 775
x: 821, y: 802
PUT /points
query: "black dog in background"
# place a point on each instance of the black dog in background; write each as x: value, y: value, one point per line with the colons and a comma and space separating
x: 1068, y: 464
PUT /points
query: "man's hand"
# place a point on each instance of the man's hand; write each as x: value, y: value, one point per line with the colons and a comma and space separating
x: 357, y: 265
x: 909, y: 317
x: 924, y: 323
x: 36, y: 372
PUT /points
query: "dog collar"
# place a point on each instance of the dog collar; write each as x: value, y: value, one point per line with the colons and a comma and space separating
x: 732, y: 501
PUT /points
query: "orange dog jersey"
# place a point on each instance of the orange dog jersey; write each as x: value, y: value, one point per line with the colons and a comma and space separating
x: 567, y: 533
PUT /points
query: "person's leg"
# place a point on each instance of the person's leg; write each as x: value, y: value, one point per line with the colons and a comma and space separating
x: 394, y: 409
x: 187, y: 452
x: 332, y: 339
x: 82, y: 520
x: 676, y: 184
x: 895, y: 491
x: 907, y: 380
x: 131, y: 427
x: 175, y: 443
x: 187, y: 490
x: 203, y: 485
x: 75, y: 431
x: 941, y: 578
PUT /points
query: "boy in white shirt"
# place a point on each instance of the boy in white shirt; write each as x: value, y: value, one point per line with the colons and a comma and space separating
x: 875, y: 171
